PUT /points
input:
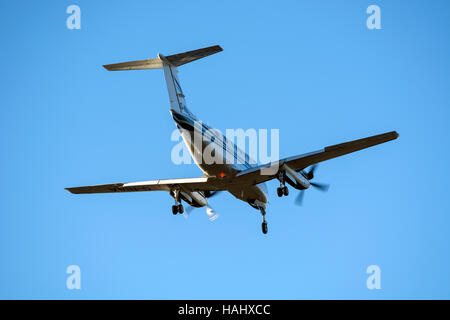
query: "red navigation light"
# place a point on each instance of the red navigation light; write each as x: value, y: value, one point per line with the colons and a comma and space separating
x: 222, y: 174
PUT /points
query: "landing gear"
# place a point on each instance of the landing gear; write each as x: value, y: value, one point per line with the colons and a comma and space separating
x: 282, y: 191
x: 177, y: 207
x: 264, y: 227
x: 264, y: 223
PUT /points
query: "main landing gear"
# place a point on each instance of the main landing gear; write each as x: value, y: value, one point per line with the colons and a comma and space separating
x: 282, y: 190
x: 177, y: 207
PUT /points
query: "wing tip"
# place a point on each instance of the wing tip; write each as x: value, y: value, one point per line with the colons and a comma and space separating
x: 108, y: 67
x: 71, y: 190
x: 218, y: 47
x: 392, y: 135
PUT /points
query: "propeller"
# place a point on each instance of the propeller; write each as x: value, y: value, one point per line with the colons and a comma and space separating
x: 310, y: 173
x: 299, y: 198
x: 320, y: 186
x: 209, y: 211
x: 212, y: 215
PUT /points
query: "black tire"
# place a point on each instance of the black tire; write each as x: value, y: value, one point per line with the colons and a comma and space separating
x: 174, y: 209
x: 180, y: 208
x: 280, y: 192
x: 285, y: 191
x: 264, y: 227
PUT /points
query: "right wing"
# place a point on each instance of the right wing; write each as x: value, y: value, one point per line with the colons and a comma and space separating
x: 191, y: 184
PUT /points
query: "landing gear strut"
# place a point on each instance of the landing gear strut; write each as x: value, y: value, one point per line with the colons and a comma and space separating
x: 264, y: 223
x: 177, y: 207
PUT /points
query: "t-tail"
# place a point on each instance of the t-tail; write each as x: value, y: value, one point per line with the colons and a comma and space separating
x: 169, y: 64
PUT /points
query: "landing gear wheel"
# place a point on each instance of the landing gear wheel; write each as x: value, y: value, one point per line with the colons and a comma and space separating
x: 180, y: 208
x: 280, y: 192
x: 264, y: 227
x: 174, y: 209
x: 264, y: 223
x: 285, y: 191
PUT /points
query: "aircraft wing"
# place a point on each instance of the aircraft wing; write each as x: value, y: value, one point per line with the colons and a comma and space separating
x: 300, y: 162
x: 191, y: 184
x: 247, y: 177
x: 305, y: 160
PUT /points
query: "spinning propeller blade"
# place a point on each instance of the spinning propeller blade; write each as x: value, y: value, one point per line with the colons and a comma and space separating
x: 209, y: 211
x: 299, y: 198
x: 320, y: 186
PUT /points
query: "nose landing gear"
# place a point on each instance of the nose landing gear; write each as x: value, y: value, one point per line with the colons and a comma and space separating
x: 264, y: 227
x: 264, y: 223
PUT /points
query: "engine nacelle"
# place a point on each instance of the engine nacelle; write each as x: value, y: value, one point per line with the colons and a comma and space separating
x: 195, y: 199
x: 295, y: 179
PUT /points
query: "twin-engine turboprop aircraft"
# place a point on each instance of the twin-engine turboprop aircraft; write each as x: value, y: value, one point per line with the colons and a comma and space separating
x: 242, y: 179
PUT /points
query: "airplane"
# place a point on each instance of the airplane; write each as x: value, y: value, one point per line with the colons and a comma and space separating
x: 244, y: 179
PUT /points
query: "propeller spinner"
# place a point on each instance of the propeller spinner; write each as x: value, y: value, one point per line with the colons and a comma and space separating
x: 320, y: 186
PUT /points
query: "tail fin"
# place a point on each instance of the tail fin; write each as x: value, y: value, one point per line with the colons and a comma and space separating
x: 169, y: 64
x: 175, y: 60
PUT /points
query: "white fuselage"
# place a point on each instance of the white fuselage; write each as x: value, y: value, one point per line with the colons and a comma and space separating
x: 189, y: 125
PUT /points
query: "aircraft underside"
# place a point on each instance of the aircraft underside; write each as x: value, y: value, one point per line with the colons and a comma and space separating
x: 242, y: 178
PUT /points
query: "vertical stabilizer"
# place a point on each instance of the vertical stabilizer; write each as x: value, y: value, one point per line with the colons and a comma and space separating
x: 169, y: 64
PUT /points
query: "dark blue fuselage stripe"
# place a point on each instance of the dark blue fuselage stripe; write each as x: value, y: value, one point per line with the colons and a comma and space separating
x: 180, y: 118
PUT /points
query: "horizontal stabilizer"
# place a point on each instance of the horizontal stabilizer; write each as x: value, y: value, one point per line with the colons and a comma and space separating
x: 189, y: 56
x: 175, y: 60
x: 155, y: 63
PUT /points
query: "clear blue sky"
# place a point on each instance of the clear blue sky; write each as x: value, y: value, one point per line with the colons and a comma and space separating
x: 310, y: 68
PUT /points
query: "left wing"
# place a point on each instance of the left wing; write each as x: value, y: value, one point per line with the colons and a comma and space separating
x: 255, y: 175
x: 301, y: 162
x: 191, y: 184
